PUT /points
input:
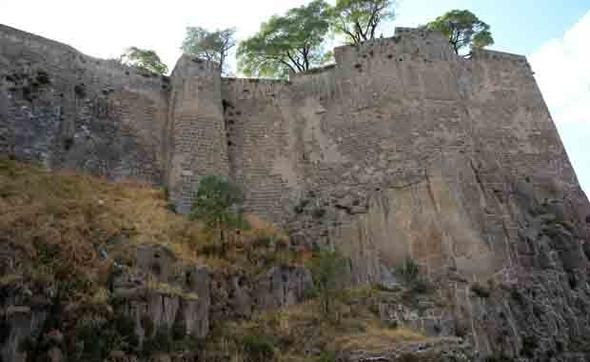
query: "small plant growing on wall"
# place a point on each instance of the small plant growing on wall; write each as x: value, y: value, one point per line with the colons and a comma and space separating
x: 216, y: 205
x: 327, y: 267
x: 410, y: 274
x: 258, y: 348
x: 408, y: 270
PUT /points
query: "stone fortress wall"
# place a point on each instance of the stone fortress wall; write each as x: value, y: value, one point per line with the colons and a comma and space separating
x: 401, y: 149
x: 67, y: 110
x: 384, y: 152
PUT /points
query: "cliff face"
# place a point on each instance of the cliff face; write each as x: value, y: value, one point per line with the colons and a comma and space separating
x: 400, y: 150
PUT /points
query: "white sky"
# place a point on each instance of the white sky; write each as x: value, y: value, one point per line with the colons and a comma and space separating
x: 105, y: 28
x: 562, y: 70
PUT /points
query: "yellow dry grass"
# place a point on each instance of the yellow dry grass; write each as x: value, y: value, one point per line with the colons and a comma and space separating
x: 375, y: 338
x: 60, y: 222
x: 64, y: 208
x: 302, y: 327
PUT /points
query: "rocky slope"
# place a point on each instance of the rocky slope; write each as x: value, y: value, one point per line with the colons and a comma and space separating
x: 96, y: 271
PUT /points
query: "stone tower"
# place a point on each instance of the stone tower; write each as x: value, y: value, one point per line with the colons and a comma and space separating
x: 196, y: 127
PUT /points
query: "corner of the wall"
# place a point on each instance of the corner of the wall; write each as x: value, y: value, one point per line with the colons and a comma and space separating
x: 486, y: 54
x: 188, y: 65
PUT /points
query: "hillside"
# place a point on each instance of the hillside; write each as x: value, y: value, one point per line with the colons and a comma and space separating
x: 93, y: 270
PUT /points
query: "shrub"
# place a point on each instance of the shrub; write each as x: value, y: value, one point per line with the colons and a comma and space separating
x: 326, y: 267
x: 318, y: 212
x: 258, y: 348
x: 327, y: 356
x: 215, y: 203
x: 410, y: 274
x: 408, y: 270
x: 480, y: 290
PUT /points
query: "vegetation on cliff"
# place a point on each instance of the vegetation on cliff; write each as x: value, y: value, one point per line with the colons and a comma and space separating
x: 88, y: 252
x: 70, y: 228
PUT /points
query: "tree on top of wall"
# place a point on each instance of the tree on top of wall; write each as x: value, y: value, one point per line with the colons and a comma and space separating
x: 210, y: 45
x: 463, y: 29
x: 358, y: 20
x: 288, y: 43
x: 143, y: 59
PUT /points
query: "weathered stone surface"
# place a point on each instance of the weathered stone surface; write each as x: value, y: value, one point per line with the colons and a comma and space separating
x: 401, y: 149
x: 70, y: 111
x: 235, y: 296
x: 165, y: 292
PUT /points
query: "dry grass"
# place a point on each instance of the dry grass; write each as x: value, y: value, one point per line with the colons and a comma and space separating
x: 169, y: 290
x: 68, y: 217
x: 60, y: 223
x: 375, y: 338
x: 302, y: 327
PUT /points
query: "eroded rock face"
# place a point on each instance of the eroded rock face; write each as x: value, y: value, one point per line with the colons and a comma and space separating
x: 162, y: 293
x: 515, y: 270
x: 158, y: 297
x: 539, y: 309
x: 237, y: 296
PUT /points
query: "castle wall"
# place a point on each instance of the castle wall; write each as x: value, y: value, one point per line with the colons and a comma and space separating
x: 401, y: 149
x: 257, y: 119
x: 197, y: 132
x: 70, y: 111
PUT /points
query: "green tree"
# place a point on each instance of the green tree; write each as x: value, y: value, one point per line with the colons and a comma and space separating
x: 358, y: 19
x: 327, y: 267
x: 143, y: 59
x: 215, y: 204
x: 463, y: 29
x: 289, y: 43
x: 212, y: 46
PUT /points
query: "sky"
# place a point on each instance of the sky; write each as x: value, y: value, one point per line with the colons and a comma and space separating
x: 554, y: 35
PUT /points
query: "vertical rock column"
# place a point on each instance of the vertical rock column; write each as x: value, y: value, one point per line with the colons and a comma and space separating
x: 198, y: 141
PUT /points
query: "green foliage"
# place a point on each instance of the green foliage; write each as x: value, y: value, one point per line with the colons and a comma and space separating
x: 410, y: 274
x: 327, y: 356
x: 99, y: 336
x: 171, y: 339
x: 144, y: 59
x: 216, y: 202
x: 258, y: 348
x: 408, y: 270
x: 463, y: 29
x: 318, y: 212
x: 480, y: 290
x: 289, y: 43
x: 358, y: 19
x: 210, y: 45
x: 327, y: 267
